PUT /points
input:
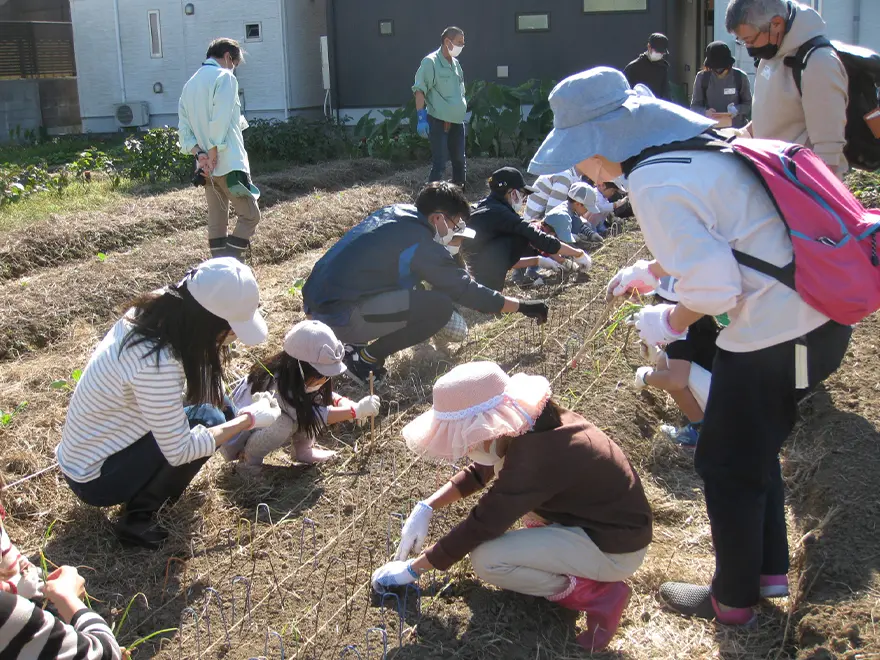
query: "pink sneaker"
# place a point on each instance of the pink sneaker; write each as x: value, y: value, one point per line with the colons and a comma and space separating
x: 774, y: 586
x: 602, y: 602
x: 696, y: 600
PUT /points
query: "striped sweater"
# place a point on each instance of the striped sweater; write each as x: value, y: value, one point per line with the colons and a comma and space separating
x: 551, y: 190
x: 30, y: 633
x: 18, y: 575
x: 121, y: 397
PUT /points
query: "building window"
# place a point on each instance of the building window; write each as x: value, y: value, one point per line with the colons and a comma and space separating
x: 155, y: 33
x: 538, y: 22
x: 815, y: 4
x: 253, y: 31
x: 386, y: 27
x: 601, y: 6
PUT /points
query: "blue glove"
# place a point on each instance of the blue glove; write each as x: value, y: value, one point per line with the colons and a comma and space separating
x: 423, y: 129
x: 732, y: 110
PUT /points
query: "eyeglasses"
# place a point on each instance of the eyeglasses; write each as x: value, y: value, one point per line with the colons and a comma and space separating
x: 457, y: 223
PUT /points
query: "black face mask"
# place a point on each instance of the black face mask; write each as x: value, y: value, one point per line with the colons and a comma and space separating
x: 720, y: 72
x: 766, y: 52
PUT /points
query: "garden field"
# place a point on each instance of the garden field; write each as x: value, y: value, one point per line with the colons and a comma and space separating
x: 278, y: 566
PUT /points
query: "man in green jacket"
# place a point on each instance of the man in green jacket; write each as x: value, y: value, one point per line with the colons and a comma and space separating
x: 441, y: 106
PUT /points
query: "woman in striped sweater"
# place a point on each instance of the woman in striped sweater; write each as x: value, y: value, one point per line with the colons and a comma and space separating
x: 128, y: 438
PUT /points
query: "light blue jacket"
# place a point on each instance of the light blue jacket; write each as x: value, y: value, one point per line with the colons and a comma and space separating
x: 210, y: 116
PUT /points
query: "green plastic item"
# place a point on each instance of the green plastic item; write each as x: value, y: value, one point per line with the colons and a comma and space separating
x: 240, y: 185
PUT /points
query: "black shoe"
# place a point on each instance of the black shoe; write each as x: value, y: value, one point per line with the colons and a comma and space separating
x: 140, y: 529
x: 358, y: 369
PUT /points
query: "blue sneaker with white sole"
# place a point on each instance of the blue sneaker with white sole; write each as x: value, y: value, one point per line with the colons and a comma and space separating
x: 686, y: 436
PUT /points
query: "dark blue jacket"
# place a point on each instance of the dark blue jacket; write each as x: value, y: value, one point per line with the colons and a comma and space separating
x: 391, y: 249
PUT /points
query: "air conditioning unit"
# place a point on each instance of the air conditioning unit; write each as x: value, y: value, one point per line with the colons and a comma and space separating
x: 132, y: 114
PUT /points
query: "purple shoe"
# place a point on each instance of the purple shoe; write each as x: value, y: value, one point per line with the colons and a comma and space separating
x: 774, y: 586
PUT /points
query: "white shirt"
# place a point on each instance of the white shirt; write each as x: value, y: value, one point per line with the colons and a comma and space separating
x: 119, y: 399
x: 210, y: 116
x: 691, y: 214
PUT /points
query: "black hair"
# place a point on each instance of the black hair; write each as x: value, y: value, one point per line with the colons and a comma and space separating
x: 288, y: 377
x: 450, y: 33
x: 173, y: 319
x: 443, y: 197
x: 219, y: 47
x: 549, y: 419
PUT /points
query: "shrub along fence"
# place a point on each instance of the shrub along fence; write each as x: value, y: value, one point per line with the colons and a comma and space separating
x: 504, y: 122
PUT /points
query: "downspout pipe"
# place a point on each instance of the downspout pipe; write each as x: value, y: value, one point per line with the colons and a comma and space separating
x: 285, y: 48
x: 857, y: 21
x: 119, y: 50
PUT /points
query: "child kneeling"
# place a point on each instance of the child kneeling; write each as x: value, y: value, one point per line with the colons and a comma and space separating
x: 684, y: 369
x: 298, y: 377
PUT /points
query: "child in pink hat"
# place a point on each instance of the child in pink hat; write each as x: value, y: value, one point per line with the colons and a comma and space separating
x: 589, y: 521
x: 299, y: 378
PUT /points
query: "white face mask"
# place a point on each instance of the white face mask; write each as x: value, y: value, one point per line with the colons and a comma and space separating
x: 517, y: 201
x: 443, y: 240
x: 453, y: 249
x: 478, y: 455
x: 454, y: 50
x: 654, y: 56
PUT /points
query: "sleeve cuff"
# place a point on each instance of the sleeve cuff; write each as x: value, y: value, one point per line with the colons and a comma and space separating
x: 79, y: 614
x: 204, y: 441
x: 439, y: 558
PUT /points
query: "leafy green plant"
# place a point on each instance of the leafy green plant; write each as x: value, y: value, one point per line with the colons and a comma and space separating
x: 297, y: 140
x: 155, y: 156
x: 69, y: 385
x: 392, y: 138
x: 296, y: 289
x: 6, y: 417
x: 101, y: 257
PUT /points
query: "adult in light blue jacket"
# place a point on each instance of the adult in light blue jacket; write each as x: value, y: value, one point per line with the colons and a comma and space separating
x: 210, y: 129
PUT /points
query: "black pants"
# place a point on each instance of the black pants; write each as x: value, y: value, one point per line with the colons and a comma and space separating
x: 127, y: 472
x: 752, y: 409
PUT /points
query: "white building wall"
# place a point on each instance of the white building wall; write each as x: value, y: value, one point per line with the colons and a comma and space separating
x: 306, y: 22
x: 184, y: 42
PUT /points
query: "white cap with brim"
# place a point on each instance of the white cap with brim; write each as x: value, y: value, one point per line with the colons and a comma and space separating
x: 585, y: 194
x: 228, y: 289
x: 596, y: 113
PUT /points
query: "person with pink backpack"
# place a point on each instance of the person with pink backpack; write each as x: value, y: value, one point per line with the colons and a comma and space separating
x: 763, y: 232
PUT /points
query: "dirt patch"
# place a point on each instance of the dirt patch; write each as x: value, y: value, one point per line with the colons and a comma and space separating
x: 39, y: 308
x: 62, y: 239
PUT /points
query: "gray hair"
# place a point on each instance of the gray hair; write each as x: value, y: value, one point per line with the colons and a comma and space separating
x: 757, y: 13
x: 451, y: 33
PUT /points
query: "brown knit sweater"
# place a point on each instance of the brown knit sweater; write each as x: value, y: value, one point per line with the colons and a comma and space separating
x: 573, y: 475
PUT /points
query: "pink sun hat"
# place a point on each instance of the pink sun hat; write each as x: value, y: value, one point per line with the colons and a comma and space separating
x: 473, y: 403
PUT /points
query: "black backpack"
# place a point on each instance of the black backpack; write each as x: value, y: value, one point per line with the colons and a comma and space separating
x: 862, y: 65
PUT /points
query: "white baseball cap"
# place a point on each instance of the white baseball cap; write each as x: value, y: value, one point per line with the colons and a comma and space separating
x: 314, y: 342
x: 585, y: 194
x: 228, y: 289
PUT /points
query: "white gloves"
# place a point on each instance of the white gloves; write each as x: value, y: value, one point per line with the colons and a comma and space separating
x: 415, y: 531
x: 584, y: 261
x: 641, y: 372
x: 731, y: 108
x: 637, y: 277
x: 30, y: 581
x: 393, y: 574
x: 366, y: 407
x: 264, y: 409
x: 650, y: 354
x: 549, y: 264
x: 652, y: 322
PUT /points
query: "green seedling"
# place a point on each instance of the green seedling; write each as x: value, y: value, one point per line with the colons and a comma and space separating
x: 140, y: 641
x: 118, y: 626
x: 296, y: 289
x: 626, y: 310
x: 101, y: 257
x: 69, y: 385
x: 6, y: 417
x: 44, y: 563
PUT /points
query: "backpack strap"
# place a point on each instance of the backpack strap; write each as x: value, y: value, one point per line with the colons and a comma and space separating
x: 798, y: 62
x: 708, y: 141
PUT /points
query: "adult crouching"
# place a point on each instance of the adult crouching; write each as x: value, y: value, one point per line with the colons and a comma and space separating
x: 128, y: 438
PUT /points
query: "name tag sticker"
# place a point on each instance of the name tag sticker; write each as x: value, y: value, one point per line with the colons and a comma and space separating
x: 729, y: 90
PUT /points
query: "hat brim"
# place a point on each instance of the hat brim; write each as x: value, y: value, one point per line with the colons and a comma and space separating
x: 330, y: 370
x: 626, y: 131
x: 252, y: 332
x: 451, y: 439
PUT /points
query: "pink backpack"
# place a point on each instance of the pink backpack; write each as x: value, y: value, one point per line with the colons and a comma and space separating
x: 835, y: 269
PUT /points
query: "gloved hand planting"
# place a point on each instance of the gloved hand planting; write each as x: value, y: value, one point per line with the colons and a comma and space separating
x: 415, y: 531
x: 584, y: 261
x: 366, y: 407
x: 637, y: 277
x: 549, y: 264
x: 641, y: 373
x: 534, y: 309
x: 423, y: 128
x: 264, y: 410
x: 393, y: 574
x: 652, y: 322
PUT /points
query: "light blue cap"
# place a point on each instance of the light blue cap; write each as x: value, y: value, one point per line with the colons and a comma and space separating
x: 596, y: 113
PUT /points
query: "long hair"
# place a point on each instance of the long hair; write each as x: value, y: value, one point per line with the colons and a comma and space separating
x: 549, y: 418
x: 288, y: 377
x: 174, y: 320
